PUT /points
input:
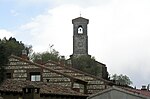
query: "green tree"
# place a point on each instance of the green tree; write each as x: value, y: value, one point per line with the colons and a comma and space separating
x: 15, y: 47
x: 45, y: 56
x: 86, y: 64
x: 121, y: 79
x: 3, y: 61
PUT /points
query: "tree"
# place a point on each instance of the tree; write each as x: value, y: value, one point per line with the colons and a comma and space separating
x: 3, y: 61
x: 45, y: 56
x: 86, y: 64
x: 15, y: 47
x: 121, y: 79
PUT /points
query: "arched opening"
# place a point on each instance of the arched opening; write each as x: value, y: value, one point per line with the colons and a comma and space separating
x: 80, y: 30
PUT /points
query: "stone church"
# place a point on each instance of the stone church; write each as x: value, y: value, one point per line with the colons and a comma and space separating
x: 80, y: 43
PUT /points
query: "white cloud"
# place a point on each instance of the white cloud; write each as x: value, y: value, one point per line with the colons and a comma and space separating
x: 53, y: 27
x: 5, y: 33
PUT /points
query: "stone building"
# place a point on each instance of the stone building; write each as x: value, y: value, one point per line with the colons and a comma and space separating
x: 54, y: 73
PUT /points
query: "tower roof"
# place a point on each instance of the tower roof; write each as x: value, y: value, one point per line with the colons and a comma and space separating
x: 81, y: 20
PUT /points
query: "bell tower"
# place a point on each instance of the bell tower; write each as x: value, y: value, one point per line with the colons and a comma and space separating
x: 80, y: 37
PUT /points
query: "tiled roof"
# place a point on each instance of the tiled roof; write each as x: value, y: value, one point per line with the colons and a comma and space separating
x: 81, y: 19
x: 138, y: 91
x: 10, y: 85
x: 81, y: 77
x: 67, y: 67
x: 44, y: 67
x: 78, y: 71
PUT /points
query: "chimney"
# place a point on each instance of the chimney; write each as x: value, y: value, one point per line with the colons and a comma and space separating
x: 62, y: 60
x: 31, y: 92
x: 24, y: 54
x: 143, y: 87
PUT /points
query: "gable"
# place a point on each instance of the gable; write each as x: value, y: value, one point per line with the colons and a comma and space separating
x: 116, y: 93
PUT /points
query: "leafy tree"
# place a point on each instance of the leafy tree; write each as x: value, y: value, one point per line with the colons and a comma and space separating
x: 121, y: 79
x: 15, y: 47
x: 3, y: 61
x: 45, y: 56
x: 86, y: 64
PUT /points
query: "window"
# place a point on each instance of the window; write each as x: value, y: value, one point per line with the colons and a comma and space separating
x: 35, y: 76
x: 8, y: 75
x: 47, y: 80
x: 80, y: 30
x: 36, y: 91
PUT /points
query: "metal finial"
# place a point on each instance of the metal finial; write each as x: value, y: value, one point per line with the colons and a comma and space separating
x: 80, y: 13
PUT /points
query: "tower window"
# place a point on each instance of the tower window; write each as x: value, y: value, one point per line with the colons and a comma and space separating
x: 80, y: 30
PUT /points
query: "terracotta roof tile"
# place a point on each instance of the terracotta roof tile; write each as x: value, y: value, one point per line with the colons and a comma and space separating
x: 138, y: 91
x: 11, y: 85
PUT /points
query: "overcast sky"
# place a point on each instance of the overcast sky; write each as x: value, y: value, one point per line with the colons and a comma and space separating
x: 118, y: 30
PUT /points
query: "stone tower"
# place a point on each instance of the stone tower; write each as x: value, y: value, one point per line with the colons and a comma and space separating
x: 80, y: 37
x: 80, y: 48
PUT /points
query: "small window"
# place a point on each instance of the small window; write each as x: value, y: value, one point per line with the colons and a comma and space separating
x: 26, y: 91
x: 80, y: 30
x: 47, y: 80
x: 8, y: 75
x: 36, y: 91
x: 35, y: 76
